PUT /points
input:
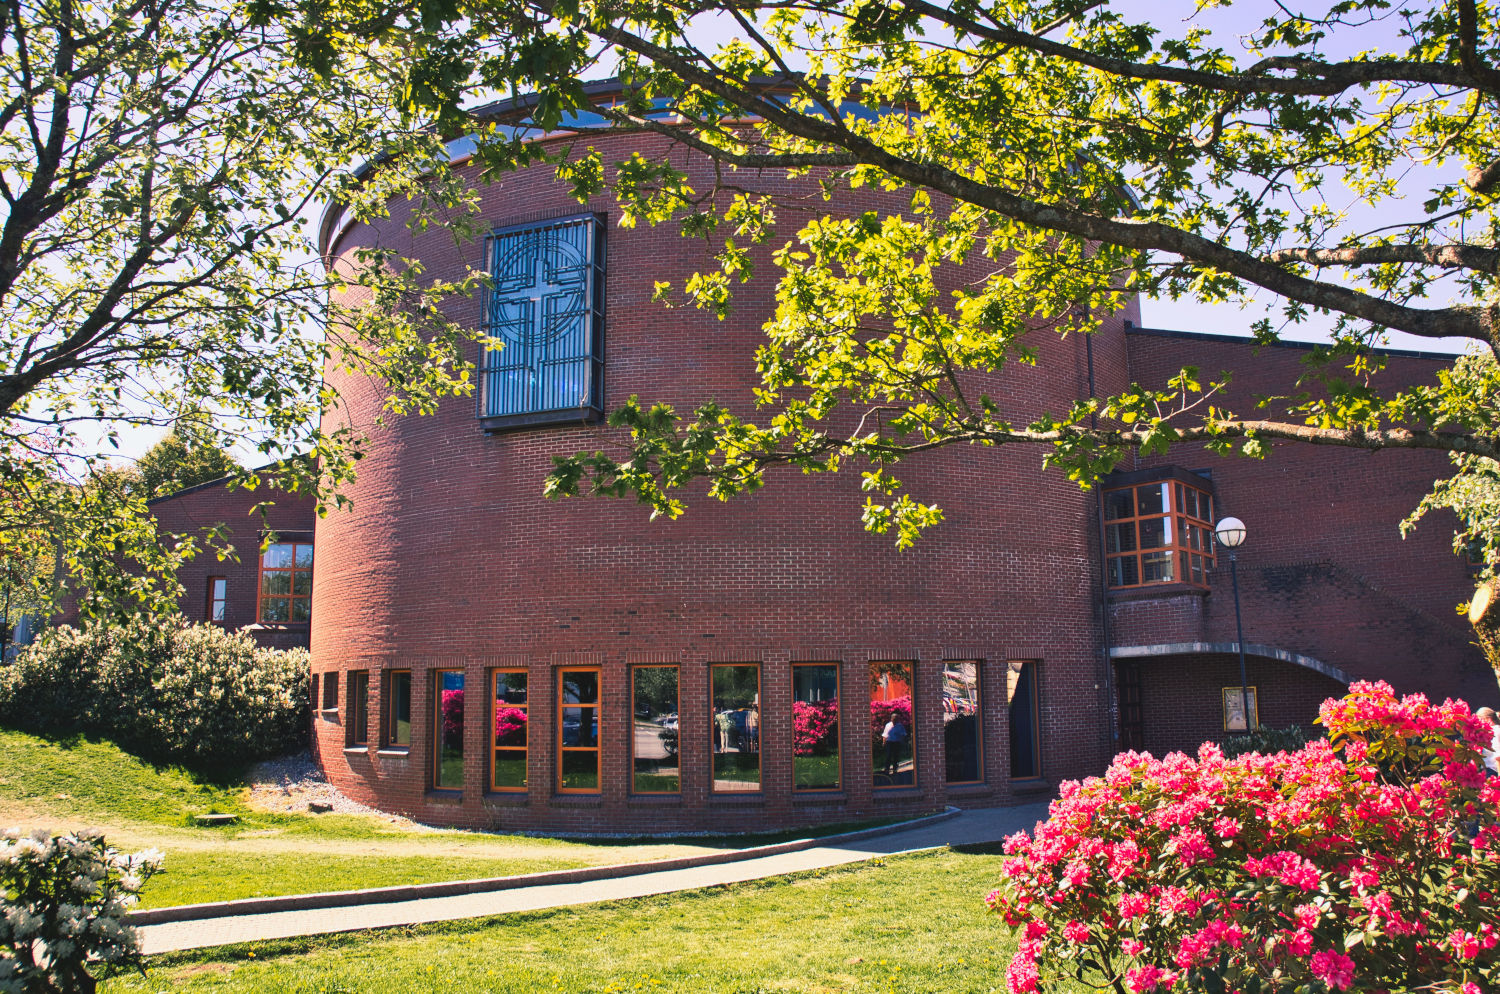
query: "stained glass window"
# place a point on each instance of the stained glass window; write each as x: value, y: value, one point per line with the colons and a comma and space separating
x: 545, y: 309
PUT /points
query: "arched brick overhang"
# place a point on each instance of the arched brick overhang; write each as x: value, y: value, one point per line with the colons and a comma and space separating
x: 1251, y: 649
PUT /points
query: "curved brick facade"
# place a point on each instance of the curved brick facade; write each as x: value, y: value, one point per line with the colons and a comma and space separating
x: 450, y: 558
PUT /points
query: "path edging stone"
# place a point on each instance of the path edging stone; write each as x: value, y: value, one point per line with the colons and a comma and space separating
x: 453, y: 888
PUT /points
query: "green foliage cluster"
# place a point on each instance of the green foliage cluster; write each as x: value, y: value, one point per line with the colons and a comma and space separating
x: 164, y: 690
x: 1265, y: 741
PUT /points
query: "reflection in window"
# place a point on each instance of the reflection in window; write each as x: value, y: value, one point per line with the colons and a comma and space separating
x: 286, y: 583
x: 508, y: 771
x: 736, y: 726
x: 1158, y: 533
x: 359, y: 707
x: 449, y: 771
x: 815, y: 726
x: 218, y: 599
x: 578, y: 731
x: 398, y: 708
x: 961, y: 717
x: 653, y: 746
x: 892, y: 731
x: 1025, y: 719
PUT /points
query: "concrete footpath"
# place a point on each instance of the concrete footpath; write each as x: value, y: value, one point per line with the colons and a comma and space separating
x: 972, y: 827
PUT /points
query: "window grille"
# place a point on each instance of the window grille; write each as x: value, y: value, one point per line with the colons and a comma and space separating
x: 545, y: 310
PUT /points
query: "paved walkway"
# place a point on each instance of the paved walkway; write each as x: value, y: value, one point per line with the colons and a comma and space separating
x: 967, y: 828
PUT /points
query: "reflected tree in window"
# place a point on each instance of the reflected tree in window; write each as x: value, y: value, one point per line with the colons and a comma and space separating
x: 449, y: 772
x: 578, y: 730
x: 736, y: 726
x: 893, y: 731
x: 815, y: 727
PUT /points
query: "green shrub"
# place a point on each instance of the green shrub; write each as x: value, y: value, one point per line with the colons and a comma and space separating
x: 192, y: 694
x: 1266, y: 741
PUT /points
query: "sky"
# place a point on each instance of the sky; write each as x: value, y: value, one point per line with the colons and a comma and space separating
x: 1228, y: 26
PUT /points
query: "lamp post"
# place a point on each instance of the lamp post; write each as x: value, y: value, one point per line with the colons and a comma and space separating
x: 1230, y: 533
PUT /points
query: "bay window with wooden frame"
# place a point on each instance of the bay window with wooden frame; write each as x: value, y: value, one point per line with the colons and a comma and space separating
x: 508, y: 730
x: 1158, y: 530
x: 578, y: 730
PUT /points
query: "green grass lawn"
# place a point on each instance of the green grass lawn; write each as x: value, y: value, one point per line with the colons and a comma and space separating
x: 899, y: 926
x: 77, y: 783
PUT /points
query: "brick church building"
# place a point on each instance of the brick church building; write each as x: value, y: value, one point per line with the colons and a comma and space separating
x: 485, y: 657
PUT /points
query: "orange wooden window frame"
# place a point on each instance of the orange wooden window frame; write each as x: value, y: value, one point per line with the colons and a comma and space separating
x: 261, y: 597
x: 760, y: 784
x: 677, y: 708
x: 598, y: 736
x: 1177, y: 518
x: 496, y: 748
x: 911, y: 686
x: 838, y: 696
x: 437, y: 728
x: 388, y: 709
x: 216, y: 597
x: 978, y: 665
x: 359, y: 707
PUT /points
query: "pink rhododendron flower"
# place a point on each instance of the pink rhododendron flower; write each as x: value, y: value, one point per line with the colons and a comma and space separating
x: 1076, y: 932
x: 1333, y: 968
x: 1022, y: 977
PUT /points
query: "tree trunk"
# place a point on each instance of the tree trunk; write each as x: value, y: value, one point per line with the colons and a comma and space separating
x: 1484, y: 615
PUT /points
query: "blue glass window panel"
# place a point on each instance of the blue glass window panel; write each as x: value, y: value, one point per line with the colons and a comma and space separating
x: 545, y: 308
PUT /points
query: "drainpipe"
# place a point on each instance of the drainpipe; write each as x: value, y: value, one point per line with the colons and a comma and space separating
x: 1111, y: 705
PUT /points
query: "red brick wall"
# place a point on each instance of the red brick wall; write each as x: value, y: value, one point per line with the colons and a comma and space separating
x: 450, y: 557
x: 199, y: 508
x: 1323, y: 571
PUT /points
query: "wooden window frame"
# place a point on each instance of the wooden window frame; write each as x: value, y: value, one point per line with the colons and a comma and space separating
x: 437, y: 726
x: 494, y: 746
x: 358, y: 707
x: 978, y: 665
x: 760, y: 759
x: 221, y: 599
x: 596, y: 749
x: 388, y: 706
x: 260, y: 585
x: 838, y: 696
x: 677, y: 709
x: 1036, y: 717
x: 1175, y: 515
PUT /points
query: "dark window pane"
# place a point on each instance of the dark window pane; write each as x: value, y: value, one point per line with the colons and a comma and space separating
x: 1156, y: 567
x: 580, y: 727
x: 1154, y: 533
x: 892, y: 728
x: 1151, y: 499
x: 815, y: 727
x: 580, y: 770
x: 1121, y: 537
x: 359, y: 708
x: 1123, y: 572
x: 654, y: 741
x: 1025, y: 740
x: 1118, y: 504
x: 274, y: 610
x: 301, y: 583
x: 450, y: 722
x: 400, y: 708
x: 276, y: 584
x: 580, y: 687
x: 510, y: 769
x: 510, y: 687
x: 735, y: 730
x: 302, y: 558
x: 961, y: 718
x: 301, y: 609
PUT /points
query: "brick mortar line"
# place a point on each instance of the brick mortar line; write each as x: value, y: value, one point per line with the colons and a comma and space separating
x: 455, y: 888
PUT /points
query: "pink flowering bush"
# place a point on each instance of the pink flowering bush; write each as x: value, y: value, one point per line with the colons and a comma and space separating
x: 1364, y: 862
x: 883, y: 711
x: 63, y: 900
x: 508, y: 722
x: 453, y: 715
x: 813, y: 722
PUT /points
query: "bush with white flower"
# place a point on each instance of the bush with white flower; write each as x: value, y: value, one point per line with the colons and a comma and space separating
x: 63, y: 900
x: 162, y: 689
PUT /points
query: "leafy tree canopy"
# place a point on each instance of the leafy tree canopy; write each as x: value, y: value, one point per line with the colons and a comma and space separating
x: 157, y: 161
x: 1085, y: 157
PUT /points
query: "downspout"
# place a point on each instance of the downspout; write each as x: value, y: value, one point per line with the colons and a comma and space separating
x: 1111, y: 705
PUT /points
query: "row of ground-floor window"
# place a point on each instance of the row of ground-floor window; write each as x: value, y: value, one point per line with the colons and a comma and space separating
x: 820, y: 733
